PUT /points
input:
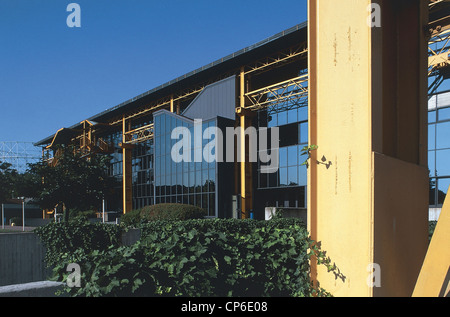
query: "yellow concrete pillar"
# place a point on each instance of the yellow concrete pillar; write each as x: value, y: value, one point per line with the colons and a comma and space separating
x: 367, y: 114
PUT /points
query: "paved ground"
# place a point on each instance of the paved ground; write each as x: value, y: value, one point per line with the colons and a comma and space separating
x: 15, y: 229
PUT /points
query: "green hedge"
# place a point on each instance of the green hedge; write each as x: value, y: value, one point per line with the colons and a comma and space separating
x: 201, y: 258
x: 166, y: 211
x: 76, y: 234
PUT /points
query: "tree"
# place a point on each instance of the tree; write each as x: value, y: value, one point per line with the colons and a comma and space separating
x: 7, y: 176
x: 77, y: 182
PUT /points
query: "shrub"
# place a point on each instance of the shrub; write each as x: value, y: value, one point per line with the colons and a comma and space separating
x: 206, y: 257
x: 167, y: 211
x: 131, y: 218
x: 171, y: 211
x: 77, y: 234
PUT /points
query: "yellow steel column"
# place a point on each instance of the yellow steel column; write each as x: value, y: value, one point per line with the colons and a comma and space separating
x: 367, y: 107
x: 434, y: 278
x: 246, y: 165
x: 127, y: 169
x: 172, y: 109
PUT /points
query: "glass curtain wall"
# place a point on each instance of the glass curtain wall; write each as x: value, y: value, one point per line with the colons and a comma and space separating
x: 291, y: 174
x: 191, y: 182
x: 439, y: 147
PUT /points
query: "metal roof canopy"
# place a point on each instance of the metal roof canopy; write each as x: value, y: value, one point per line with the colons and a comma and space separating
x: 244, y: 56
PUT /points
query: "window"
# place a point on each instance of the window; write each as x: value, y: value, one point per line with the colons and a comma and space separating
x: 444, y: 114
x: 442, y: 188
x: 292, y: 176
x: 431, y: 136
x: 292, y: 155
x: 432, y: 162
x: 283, y: 176
x: 303, y: 114
x: 282, y: 118
x: 303, y: 138
x: 443, y: 162
x: 292, y: 116
x: 443, y: 135
x: 289, y: 134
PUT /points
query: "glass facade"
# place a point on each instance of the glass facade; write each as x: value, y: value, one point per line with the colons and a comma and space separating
x: 439, y: 147
x: 286, y: 186
x: 142, y: 174
x: 159, y: 179
x: 190, y: 181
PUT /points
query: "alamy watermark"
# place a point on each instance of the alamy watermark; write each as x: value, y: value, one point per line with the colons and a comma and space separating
x: 374, y: 278
x: 374, y: 18
x: 74, y: 18
x: 216, y: 151
x: 74, y: 278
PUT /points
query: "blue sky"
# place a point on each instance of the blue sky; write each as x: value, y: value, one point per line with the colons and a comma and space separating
x: 53, y: 76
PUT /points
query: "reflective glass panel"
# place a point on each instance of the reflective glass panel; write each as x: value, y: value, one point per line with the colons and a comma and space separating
x: 431, y: 116
x: 303, y: 114
x: 443, y: 184
x: 431, y: 136
x: 283, y: 157
x: 292, y: 116
x: 444, y: 114
x: 283, y: 176
x: 302, y: 175
x: 443, y: 135
x: 292, y: 176
x: 443, y: 162
x: 272, y: 120
x: 431, y: 162
x: 292, y: 155
x: 303, y: 132
x: 282, y: 118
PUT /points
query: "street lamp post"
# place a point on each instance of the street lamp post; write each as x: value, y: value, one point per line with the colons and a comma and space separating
x: 23, y: 214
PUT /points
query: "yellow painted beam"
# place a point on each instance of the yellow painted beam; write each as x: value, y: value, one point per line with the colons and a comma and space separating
x: 246, y: 168
x: 367, y: 115
x: 127, y: 193
x: 434, y: 277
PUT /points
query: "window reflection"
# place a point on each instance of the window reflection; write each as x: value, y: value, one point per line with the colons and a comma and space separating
x: 432, y: 116
x: 432, y: 162
x: 443, y: 162
x: 443, y: 135
x: 431, y: 136
x: 444, y: 114
x: 185, y: 182
x: 443, y: 185
x: 293, y: 131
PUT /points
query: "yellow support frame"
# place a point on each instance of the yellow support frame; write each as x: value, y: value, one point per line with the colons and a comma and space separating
x: 434, y: 278
x: 127, y: 150
x: 245, y: 165
x: 368, y: 117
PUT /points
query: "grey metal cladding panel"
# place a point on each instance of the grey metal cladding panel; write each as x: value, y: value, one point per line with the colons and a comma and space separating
x: 218, y: 99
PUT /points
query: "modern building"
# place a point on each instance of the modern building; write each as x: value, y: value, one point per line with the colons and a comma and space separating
x: 264, y: 86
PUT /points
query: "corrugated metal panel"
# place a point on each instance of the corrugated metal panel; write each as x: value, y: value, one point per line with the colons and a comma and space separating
x: 218, y: 99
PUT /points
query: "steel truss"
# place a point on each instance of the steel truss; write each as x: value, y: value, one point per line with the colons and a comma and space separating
x: 280, y: 96
x: 287, y: 94
x: 283, y: 57
x: 19, y: 154
x: 139, y: 135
